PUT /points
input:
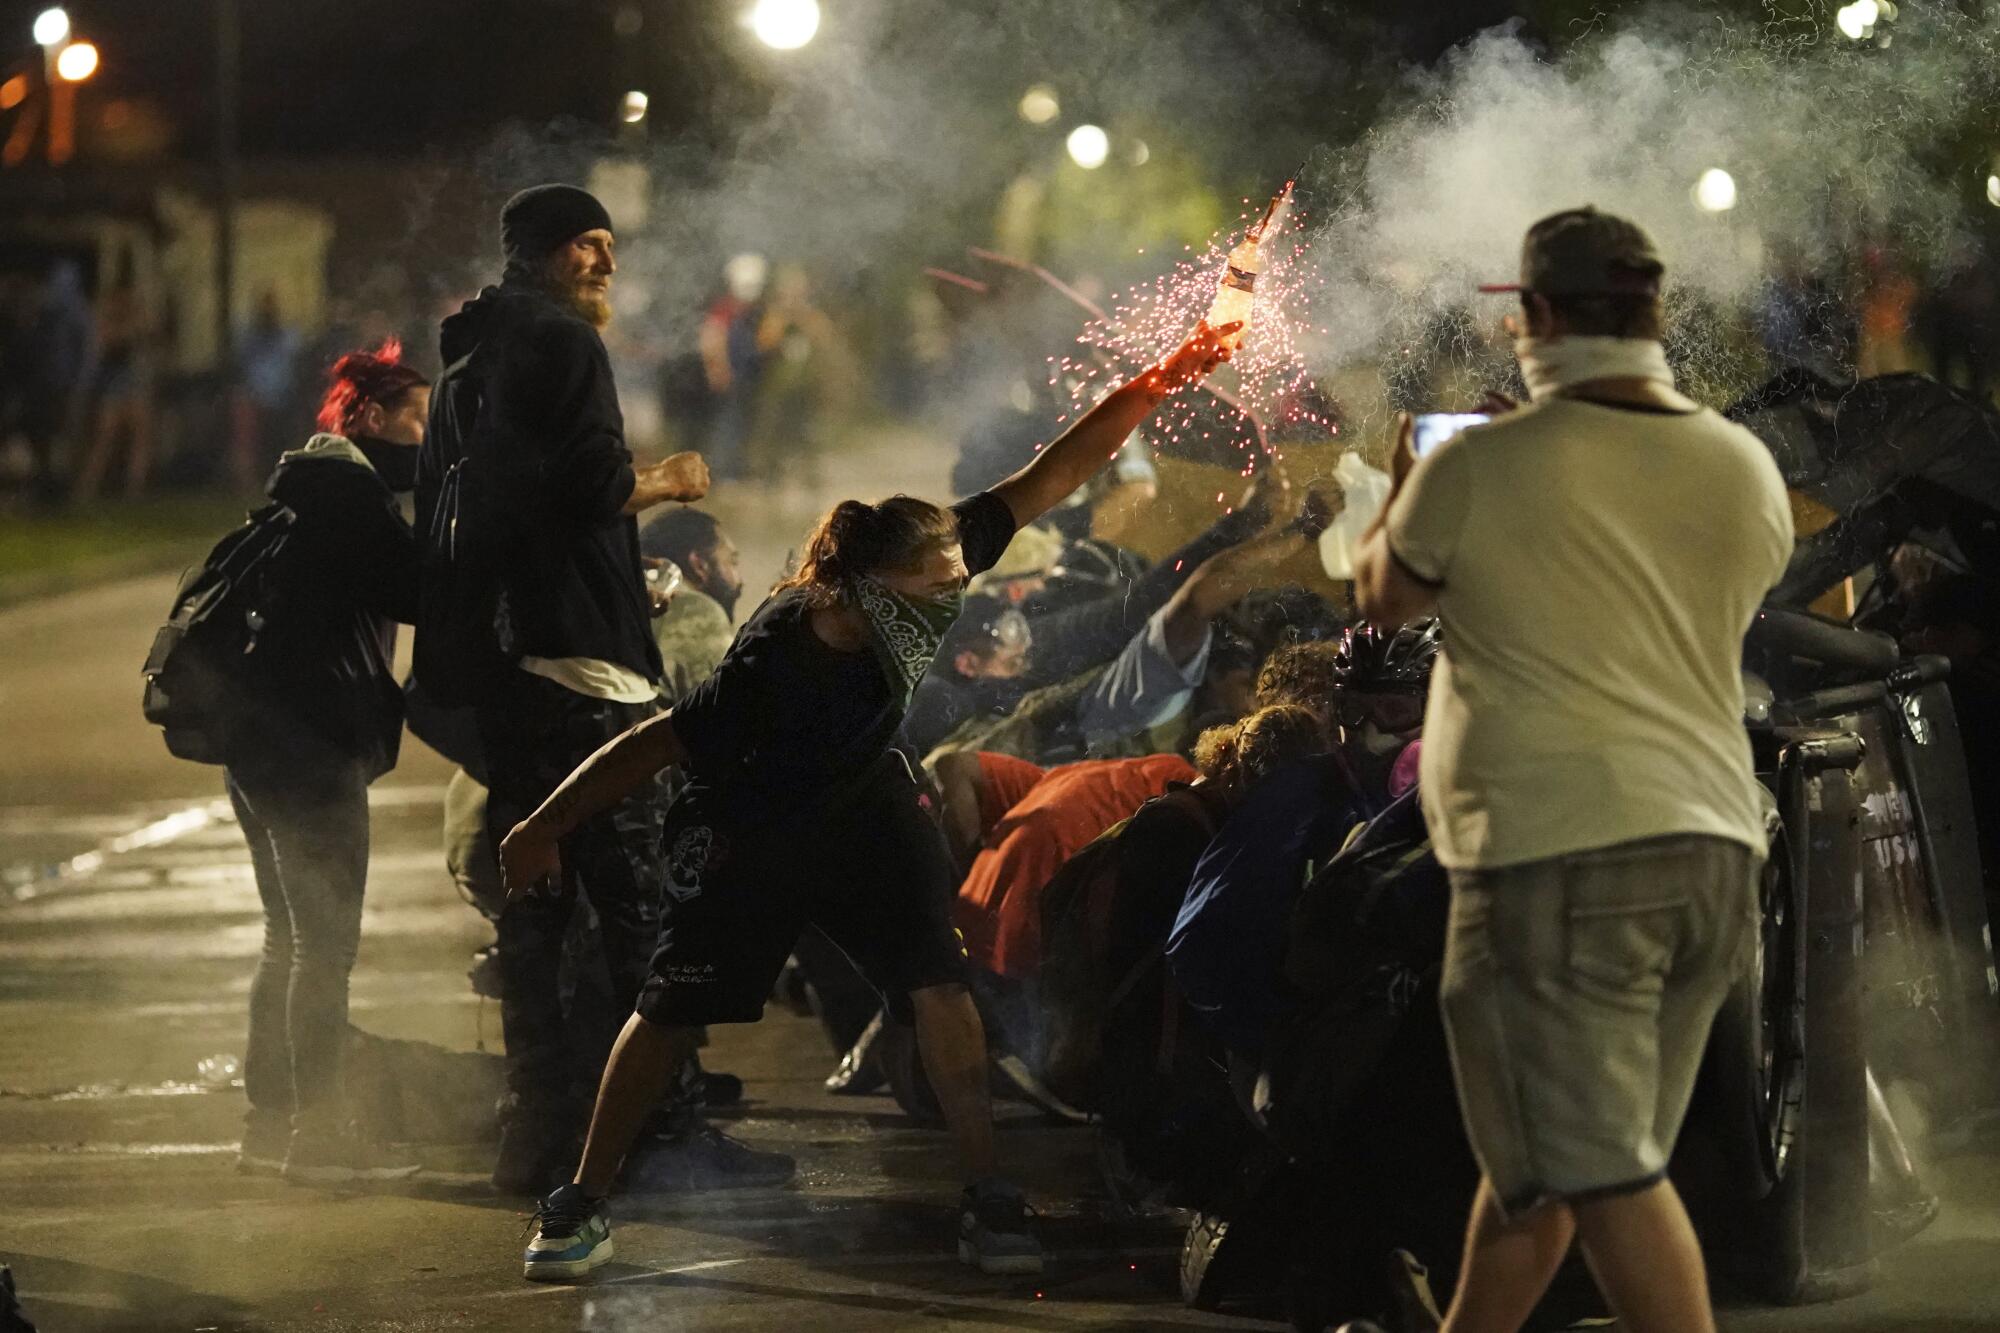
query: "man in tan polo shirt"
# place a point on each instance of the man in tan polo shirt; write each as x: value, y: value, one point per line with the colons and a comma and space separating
x: 1595, y: 559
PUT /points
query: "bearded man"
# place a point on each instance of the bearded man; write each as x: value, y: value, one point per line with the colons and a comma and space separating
x: 528, y: 397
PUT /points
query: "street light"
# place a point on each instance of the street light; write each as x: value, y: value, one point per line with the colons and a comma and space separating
x: 76, y: 62
x: 1039, y: 105
x: 785, y: 25
x: 1715, y: 192
x: 1088, y: 146
x: 1993, y: 190
x: 634, y: 109
x: 51, y: 27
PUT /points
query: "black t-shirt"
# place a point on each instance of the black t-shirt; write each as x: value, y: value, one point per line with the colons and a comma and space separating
x: 786, y: 718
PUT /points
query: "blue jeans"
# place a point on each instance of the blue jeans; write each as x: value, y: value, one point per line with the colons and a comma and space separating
x: 307, y: 827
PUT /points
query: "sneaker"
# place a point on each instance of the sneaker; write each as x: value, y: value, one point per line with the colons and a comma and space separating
x: 705, y: 1159
x: 720, y: 1089
x: 993, y: 1232
x: 324, y: 1157
x: 572, y: 1236
x: 266, y: 1140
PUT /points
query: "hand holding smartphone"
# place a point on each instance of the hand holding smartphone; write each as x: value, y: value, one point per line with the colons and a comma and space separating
x: 1434, y: 428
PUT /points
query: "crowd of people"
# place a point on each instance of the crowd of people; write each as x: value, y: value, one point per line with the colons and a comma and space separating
x: 1364, y: 914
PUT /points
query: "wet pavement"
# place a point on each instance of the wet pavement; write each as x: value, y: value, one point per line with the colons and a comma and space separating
x: 128, y: 930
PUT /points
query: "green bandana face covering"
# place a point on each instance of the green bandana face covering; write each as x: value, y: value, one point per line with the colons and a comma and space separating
x: 906, y: 631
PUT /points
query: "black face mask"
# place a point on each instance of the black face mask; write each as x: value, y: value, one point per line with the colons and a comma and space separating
x: 396, y: 464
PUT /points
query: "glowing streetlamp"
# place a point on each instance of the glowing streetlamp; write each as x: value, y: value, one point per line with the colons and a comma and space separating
x: 1715, y: 192
x: 633, y: 110
x: 1993, y: 190
x: 785, y: 25
x: 1088, y: 146
x: 51, y: 28
x: 1039, y: 105
x: 1858, y: 21
x: 76, y: 62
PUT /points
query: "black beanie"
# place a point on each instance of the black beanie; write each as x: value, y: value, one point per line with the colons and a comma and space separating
x: 542, y: 217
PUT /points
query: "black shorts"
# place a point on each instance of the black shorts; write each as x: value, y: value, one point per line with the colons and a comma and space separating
x: 873, y: 873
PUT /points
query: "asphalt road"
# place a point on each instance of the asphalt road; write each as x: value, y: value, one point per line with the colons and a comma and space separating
x: 128, y: 930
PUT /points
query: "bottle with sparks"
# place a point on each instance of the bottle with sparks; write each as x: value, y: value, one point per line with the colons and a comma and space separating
x: 1236, y: 292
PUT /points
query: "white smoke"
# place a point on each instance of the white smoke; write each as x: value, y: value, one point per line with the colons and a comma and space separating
x: 1825, y: 140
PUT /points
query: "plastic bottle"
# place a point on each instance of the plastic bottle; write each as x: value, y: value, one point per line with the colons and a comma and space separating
x: 1236, y: 291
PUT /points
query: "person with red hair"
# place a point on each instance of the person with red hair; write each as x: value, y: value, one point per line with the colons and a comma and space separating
x: 329, y: 720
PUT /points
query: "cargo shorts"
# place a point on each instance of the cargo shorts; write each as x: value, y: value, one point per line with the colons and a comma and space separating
x: 1578, y: 994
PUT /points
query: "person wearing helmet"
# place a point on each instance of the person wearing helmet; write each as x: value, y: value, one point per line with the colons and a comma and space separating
x: 1380, y: 679
x: 1229, y: 938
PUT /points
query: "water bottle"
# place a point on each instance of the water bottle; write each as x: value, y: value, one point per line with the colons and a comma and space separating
x: 1236, y: 291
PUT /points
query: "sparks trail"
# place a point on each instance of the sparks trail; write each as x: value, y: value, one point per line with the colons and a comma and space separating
x: 1149, y: 320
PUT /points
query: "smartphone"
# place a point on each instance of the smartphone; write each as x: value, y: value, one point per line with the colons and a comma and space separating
x: 1434, y: 428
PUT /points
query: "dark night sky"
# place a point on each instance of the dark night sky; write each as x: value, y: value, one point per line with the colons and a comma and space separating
x: 408, y: 76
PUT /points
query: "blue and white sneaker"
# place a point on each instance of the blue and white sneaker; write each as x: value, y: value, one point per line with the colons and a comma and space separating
x: 993, y: 1231
x: 572, y: 1236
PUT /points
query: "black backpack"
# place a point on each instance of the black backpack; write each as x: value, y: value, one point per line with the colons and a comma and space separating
x: 1076, y: 987
x: 1366, y: 946
x: 205, y: 664
x: 464, y: 643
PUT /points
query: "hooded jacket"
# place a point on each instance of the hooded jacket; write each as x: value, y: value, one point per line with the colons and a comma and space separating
x: 350, y: 569
x: 549, y: 436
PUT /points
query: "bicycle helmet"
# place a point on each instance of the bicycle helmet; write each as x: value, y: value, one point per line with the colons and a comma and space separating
x: 1370, y: 661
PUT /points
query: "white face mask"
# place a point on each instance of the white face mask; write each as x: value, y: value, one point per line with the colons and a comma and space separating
x: 1550, y: 365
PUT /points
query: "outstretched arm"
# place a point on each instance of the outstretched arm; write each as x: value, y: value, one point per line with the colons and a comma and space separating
x: 529, y: 856
x: 1081, y: 452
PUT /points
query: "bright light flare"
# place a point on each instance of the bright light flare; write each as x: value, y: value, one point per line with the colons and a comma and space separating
x: 1088, y: 146
x: 1039, y: 105
x: 13, y: 92
x: 785, y: 25
x: 634, y: 108
x: 1993, y: 190
x: 1715, y: 192
x: 76, y: 62
x: 1857, y: 21
x: 1150, y: 320
x: 52, y: 27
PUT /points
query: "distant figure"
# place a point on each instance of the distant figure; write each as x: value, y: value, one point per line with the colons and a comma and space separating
x: 54, y: 356
x: 122, y: 393
x: 733, y: 363
x: 267, y: 359
x: 798, y: 349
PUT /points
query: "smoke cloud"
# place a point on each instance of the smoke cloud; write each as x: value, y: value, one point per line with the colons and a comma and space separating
x: 1826, y: 141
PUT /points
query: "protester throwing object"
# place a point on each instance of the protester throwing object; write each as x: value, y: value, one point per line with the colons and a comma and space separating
x: 799, y: 810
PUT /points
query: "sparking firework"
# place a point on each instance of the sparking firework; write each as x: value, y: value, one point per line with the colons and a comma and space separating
x: 1148, y: 321
x: 1236, y: 290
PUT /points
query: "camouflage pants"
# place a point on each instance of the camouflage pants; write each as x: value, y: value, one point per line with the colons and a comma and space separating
x: 534, y: 737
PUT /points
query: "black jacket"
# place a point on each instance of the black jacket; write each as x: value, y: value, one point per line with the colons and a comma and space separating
x: 349, y: 570
x: 551, y: 441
